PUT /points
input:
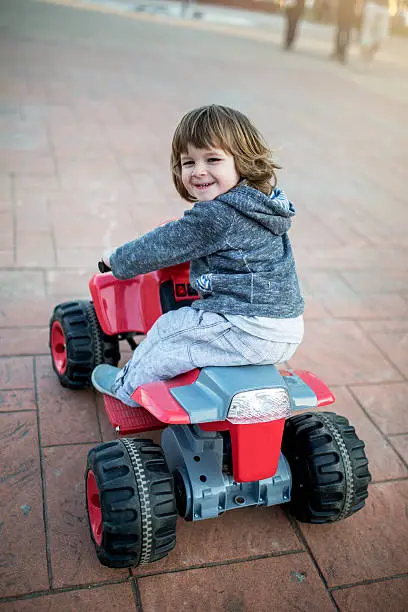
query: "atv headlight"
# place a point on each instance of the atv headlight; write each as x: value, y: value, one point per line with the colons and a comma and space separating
x: 259, y: 406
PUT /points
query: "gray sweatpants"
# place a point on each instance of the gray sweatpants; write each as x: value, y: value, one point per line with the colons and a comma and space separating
x: 184, y: 339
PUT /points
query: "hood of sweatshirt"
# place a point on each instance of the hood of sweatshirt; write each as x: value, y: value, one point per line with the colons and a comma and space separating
x: 273, y: 212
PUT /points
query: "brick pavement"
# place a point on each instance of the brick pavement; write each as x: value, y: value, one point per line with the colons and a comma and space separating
x: 88, y: 103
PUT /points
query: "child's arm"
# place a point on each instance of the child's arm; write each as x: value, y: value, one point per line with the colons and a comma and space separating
x: 199, y: 232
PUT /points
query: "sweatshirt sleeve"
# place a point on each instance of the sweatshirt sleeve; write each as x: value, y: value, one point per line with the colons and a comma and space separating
x: 201, y: 231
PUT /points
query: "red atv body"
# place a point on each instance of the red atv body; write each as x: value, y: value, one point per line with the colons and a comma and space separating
x: 207, y: 463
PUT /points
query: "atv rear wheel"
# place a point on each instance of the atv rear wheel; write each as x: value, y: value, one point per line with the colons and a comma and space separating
x: 130, y: 503
x: 329, y: 467
x: 78, y: 344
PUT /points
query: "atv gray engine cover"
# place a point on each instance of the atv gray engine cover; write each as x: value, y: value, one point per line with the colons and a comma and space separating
x: 197, y: 456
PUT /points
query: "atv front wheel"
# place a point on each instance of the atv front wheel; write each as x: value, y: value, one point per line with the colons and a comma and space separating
x: 130, y: 502
x: 78, y: 344
x: 329, y: 467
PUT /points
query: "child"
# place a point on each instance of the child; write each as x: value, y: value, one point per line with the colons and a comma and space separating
x: 235, y: 236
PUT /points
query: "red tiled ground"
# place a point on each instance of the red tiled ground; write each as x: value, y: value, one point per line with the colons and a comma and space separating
x: 88, y: 102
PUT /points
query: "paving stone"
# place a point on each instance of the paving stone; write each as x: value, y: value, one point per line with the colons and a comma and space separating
x: 135, y: 161
x: 66, y: 415
x: 22, y: 399
x: 65, y: 282
x: 24, y: 184
x: 23, y: 558
x: 345, y: 230
x: 374, y: 282
x: 384, y: 462
x: 5, y: 188
x: 73, y: 557
x: 35, y: 249
x: 16, y: 373
x: 75, y: 138
x: 32, y: 214
x: 146, y: 187
x: 399, y: 325
x: 395, y: 346
x: 314, y: 309
x: 27, y: 163
x: 104, y: 599
x: 322, y: 284
x: 90, y: 176
x: 102, y: 111
x: 317, y: 232
x: 267, y: 531
x: 122, y: 138
x: 108, y: 433
x: 21, y: 139
x: 21, y: 284
x: 367, y: 306
x: 391, y: 594
x: 369, y: 545
x: 386, y: 405
x: 46, y: 112
x: 6, y: 258
x: 120, y: 199
x: 6, y: 231
x: 356, y: 259
x: 400, y: 443
x: 239, y: 586
x: 93, y: 155
x: 340, y: 353
x: 97, y: 226
x: 28, y: 311
x: 341, y: 300
x: 79, y: 257
x: 23, y: 341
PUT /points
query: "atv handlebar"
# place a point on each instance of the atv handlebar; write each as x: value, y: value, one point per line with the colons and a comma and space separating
x: 103, y: 267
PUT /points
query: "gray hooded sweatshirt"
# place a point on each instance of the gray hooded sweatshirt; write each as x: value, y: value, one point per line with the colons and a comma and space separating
x: 241, y: 260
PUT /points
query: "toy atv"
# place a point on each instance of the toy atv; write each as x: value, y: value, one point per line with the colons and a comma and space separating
x: 228, y: 439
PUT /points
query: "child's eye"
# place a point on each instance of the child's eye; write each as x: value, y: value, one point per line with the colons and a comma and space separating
x: 187, y: 163
x: 214, y: 159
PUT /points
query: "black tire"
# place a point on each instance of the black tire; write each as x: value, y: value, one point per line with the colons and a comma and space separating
x: 137, y: 502
x: 86, y: 345
x: 329, y: 467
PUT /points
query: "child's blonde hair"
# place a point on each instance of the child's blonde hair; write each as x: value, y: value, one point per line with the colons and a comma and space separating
x: 227, y: 129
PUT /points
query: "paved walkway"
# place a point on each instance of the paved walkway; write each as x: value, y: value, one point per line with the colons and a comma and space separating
x: 88, y: 102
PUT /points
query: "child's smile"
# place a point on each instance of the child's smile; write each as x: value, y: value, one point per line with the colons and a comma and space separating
x: 208, y: 173
x: 204, y: 185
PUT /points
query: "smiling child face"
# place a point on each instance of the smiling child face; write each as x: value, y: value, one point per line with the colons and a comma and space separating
x: 208, y: 173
